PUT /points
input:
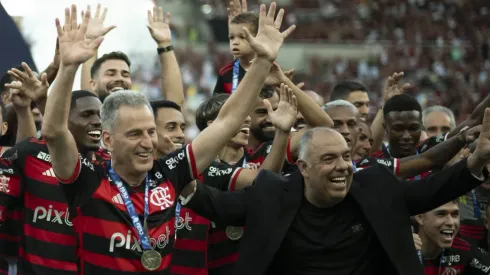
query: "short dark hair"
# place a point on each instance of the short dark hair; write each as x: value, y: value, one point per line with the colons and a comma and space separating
x: 4, y: 110
x: 400, y: 103
x: 209, y: 110
x: 159, y: 104
x: 75, y: 95
x: 267, y: 92
x: 250, y: 18
x: 343, y: 89
x: 108, y: 56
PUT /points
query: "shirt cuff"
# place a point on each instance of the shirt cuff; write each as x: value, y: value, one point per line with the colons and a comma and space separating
x: 186, y: 200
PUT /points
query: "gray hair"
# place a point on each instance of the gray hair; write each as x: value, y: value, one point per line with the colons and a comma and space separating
x: 340, y: 103
x: 111, y: 105
x: 442, y: 109
x: 305, y: 140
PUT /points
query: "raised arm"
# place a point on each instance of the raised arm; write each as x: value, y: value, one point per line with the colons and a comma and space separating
x: 426, y: 194
x: 74, y: 50
x: 170, y: 76
x: 53, y: 67
x: 266, y: 46
x: 435, y: 157
x: 95, y: 29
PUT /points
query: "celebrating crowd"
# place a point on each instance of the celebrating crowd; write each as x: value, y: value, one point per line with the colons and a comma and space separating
x: 101, y: 181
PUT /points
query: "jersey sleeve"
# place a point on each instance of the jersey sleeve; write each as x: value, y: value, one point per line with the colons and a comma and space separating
x: 480, y: 263
x: 221, y: 176
x: 84, y: 181
x: 10, y: 208
x: 180, y: 167
x: 391, y: 163
x: 430, y: 142
x: 220, y: 86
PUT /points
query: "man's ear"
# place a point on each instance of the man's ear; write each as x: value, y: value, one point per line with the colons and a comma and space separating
x: 419, y: 220
x: 303, y: 167
x: 107, y: 140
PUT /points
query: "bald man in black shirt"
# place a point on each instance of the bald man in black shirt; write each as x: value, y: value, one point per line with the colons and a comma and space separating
x: 323, y: 219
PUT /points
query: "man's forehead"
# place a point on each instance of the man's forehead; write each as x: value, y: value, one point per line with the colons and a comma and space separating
x: 440, y: 117
x: 404, y: 115
x: 357, y: 96
x: 166, y: 115
x: 114, y: 64
x: 88, y: 103
x: 341, y: 113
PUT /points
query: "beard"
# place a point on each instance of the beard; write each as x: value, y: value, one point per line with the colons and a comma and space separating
x: 262, y: 135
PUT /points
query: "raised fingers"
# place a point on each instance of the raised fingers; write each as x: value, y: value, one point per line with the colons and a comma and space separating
x: 97, y: 11
x: 271, y: 13
x: 73, y: 17
x: 27, y: 69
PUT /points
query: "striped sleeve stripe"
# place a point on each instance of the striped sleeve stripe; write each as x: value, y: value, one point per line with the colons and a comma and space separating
x: 74, y: 176
x: 289, y: 156
x: 396, y: 166
x: 191, y: 161
x: 233, y: 179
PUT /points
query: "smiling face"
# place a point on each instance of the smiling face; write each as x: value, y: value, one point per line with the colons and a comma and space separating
x: 261, y: 126
x: 327, y: 168
x: 364, y: 142
x: 133, y: 141
x: 84, y: 123
x: 440, y: 226
x: 170, y: 122
x: 403, y: 130
x: 113, y: 75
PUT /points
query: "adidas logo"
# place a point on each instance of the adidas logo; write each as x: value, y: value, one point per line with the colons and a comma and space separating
x: 118, y: 199
x: 49, y: 173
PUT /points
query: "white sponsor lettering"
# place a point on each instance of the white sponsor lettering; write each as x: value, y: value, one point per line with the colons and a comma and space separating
x: 44, y: 156
x: 384, y: 162
x: 216, y: 172
x: 160, y: 196
x: 364, y: 161
x: 6, y: 171
x: 158, y: 175
x: 253, y: 165
x: 87, y: 163
x: 173, y: 161
x: 478, y: 265
x: 451, y: 259
x: 269, y: 149
x: 4, y: 184
x: 132, y: 243
x: 184, y: 222
x: 51, y: 215
x: 449, y: 271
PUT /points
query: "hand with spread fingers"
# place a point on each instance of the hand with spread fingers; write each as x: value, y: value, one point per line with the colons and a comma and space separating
x: 159, y: 27
x: 235, y: 8
x: 28, y: 83
x: 284, y: 117
x: 277, y: 75
x: 74, y: 48
x: 269, y: 37
x: 96, y: 27
x: 481, y: 155
x: 392, y: 88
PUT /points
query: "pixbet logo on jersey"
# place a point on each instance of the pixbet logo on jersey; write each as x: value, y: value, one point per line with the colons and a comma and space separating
x: 51, y: 215
x: 131, y: 242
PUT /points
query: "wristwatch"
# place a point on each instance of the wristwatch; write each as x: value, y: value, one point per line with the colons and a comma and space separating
x: 165, y: 49
x: 461, y: 135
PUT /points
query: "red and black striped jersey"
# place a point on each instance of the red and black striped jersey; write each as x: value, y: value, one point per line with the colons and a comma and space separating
x: 384, y: 157
x: 461, y: 258
x: 255, y: 158
x: 48, y: 243
x: 224, y: 84
x: 190, y: 254
x: 107, y: 241
x: 10, y: 223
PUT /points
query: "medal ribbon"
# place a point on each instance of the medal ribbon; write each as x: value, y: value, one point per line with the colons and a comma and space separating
x: 441, y: 262
x: 236, y: 72
x: 177, y: 217
x: 476, y: 208
x: 145, y: 242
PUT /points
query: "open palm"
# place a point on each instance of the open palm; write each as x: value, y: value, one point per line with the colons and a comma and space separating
x: 269, y: 39
x: 159, y: 26
x: 29, y: 83
x: 482, y: 150
x: 74, y: 48
x: 284, y: 117
x: 95, y: 26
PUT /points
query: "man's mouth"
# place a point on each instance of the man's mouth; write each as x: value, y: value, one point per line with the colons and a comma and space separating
x: 447, y: 234
x: 268, y: 127
x: 178, y: 144
x: 144, y: 155
x: 339, y: 181
x: 115, y: 89
x: 245, y: 130
x: 94, y: 134
x: 406, y: 146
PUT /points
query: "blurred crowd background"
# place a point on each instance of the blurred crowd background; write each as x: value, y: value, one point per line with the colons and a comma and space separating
x: 441, y: 45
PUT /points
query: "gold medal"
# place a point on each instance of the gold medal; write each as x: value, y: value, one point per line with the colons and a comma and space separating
x: 151, y: 260
x: 234, y: 233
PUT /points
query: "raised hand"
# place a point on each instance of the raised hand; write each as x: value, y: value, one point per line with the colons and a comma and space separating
x: 392, y: 88
x: 159, y: 27
x: 235, y: 8
x: 269, y: 39
x: 284, y: 117
x: 169, y: 145
x: 18, y: 96
x: 96, y: 27
x: 28, y: 83
x: 276, y: 75
x: 481, y: 155
x: 74, y: 48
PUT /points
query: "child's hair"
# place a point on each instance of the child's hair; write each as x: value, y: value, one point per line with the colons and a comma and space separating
x: 249, y: 18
